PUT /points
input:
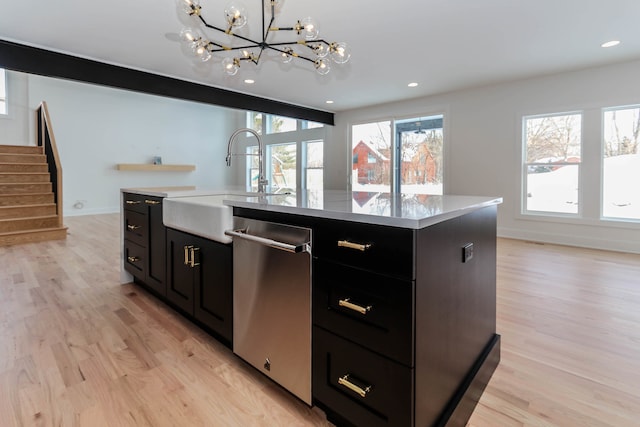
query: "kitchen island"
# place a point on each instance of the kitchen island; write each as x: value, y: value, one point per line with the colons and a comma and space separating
x: 403, y: 302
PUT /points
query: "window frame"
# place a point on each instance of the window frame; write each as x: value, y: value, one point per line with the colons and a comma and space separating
x: 306, y: 166
x: 395, y: 185
x: 5, y: 99
x: 300, y: 136
x: 623, y: 221
x: 524, y: 167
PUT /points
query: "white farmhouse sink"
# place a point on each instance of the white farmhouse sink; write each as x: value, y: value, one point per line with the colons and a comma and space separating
x: 204, y: 216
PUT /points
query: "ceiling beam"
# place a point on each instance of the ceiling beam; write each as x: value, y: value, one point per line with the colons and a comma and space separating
x: 28, y: 59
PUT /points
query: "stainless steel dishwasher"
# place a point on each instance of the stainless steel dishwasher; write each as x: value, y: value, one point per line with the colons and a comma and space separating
x: 272, y: 301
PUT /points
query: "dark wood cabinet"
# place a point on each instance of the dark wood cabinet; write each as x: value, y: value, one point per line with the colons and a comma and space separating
x: 200, y: 281
x: 412, y: 326
x: 157, y: 255
x: 369, y: 309
x: 362, y: 387
x: 404, y: 320
x: 404, y: 329
x: 144, y: 240
x: 180, y: 269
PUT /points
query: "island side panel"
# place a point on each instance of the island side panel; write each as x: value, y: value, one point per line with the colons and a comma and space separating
x: 455, y: 307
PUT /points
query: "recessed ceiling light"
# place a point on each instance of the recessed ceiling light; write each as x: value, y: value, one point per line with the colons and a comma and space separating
x: 329, y: 102
x: 611, y: 43
x: 249, y: 81
x: 413, y: 84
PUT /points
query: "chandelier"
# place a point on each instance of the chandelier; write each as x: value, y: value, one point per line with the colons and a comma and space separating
x: 307, y: 46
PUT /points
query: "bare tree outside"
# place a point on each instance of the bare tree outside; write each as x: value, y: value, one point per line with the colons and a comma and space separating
x: 553, y: 153
x: 622, y: 131
x: 621, y: 163
x: 553, y: 138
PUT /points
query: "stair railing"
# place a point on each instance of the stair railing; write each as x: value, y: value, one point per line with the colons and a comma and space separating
x: 47, y: 140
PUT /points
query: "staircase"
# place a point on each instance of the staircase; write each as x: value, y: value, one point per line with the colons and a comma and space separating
x: 28, y: 211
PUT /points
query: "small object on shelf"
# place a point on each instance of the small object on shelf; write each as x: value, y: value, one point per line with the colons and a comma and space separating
x: 157, y: 160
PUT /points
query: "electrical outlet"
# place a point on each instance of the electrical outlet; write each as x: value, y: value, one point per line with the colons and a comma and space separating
x: 467, y: 252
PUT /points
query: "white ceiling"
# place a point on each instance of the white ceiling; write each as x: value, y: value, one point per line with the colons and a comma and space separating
x: 444, y: 45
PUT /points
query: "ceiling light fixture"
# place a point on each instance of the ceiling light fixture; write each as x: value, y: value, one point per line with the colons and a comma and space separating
x: 413, y: 84
x: 314, y: 50
x: 249, y: 81
x: 610, y: 43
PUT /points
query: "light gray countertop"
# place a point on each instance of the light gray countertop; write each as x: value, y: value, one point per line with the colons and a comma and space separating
x: 397, y: 210
x: 413, y: 211
x: 185, y: 191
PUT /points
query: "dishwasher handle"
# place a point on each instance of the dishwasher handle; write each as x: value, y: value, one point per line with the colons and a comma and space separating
x: 242, y: 234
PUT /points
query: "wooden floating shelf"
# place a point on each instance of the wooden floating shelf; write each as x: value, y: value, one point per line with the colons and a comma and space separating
x: 150, y: 167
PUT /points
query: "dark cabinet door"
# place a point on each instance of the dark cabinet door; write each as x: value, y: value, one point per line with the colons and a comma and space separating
x: 180, y: 271
x: 213, y: 287
x: 134, y: 259
x: 200, y: 281
x: 157, y: 256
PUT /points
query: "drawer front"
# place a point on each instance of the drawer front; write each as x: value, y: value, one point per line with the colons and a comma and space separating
x: 372, y: 310
x: 134, y: 202
x: 387, y: 250
x: 134, y: 261
x: 364, y: 388
x: 135, y: 227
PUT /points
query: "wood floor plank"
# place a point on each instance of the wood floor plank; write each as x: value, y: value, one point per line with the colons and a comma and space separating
x: 79, y: 349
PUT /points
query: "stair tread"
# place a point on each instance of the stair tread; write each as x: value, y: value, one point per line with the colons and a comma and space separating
x: 24, y: 173
x: 16, y: 163
x: 33, y: 236
x: 21, y: 149
x: 32, y: 230
x: 31, y: 205
x: 27, y: 218
x: 46, y: 193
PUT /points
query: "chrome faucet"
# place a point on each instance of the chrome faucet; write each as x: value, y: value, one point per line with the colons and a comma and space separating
x: 262, y: 183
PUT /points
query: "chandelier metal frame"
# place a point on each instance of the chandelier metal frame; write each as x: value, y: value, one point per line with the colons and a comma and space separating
x: 319, y: 49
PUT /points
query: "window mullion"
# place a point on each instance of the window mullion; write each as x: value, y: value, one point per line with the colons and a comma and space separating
x: 591, y: 165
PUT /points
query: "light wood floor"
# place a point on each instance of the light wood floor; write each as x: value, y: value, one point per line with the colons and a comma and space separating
x: 79, y: 349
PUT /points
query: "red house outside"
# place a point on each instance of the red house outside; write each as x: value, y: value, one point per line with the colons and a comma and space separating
x: 373, y: 165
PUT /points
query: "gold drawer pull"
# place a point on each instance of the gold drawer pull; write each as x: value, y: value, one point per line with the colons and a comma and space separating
x: 186, y: 255
x: 193, y: 262
x: 151, y: 202
x: 132, y: 202
x: 190, y: 256
x: 133, y: 227
x: 355, y: 307
x: 344, y: 381
x: 133, y: 259
x: 351, y: 245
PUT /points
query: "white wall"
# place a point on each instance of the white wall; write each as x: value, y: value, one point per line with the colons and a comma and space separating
x: 97, y: 127
x: 483, y: 137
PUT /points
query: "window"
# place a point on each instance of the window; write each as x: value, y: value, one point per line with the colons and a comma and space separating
x: 252, y: 168
x: 404, y: 156
x: 281, y: 166
x: 420, y: 155
x: 314, y: 165
x: 552, y: 154
x: 293, y: 153
x: 277, y: 124
x: 371, y: 141
x: 3, y: 92
x: 621, y: 163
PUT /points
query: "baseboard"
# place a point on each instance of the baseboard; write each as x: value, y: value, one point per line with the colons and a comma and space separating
x: 630, y: 246
x: 463, y: 403
x: 97, y: 211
